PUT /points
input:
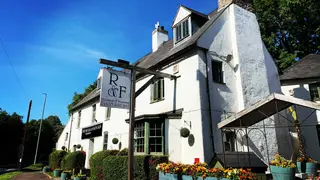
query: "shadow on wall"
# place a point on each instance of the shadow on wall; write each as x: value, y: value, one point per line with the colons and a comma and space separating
x: 308, y: 120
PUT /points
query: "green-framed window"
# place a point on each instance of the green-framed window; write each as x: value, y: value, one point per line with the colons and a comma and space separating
x: 139, y: 132
x: 314, y: 90
x: 157, y: 90
x: 149, y: 137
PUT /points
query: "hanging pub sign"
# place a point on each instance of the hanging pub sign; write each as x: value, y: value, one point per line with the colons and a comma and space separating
x: 92, y: 131
x: 115, y: 89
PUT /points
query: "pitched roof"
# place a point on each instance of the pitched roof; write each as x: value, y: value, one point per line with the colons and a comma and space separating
x: 94, y: 94
x: 308, y: 67
x: 165, y: 51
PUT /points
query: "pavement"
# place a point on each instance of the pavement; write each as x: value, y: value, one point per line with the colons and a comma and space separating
x: 31, y: 176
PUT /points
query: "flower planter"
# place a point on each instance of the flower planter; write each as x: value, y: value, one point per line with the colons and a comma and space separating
x: 57, y: 173
x: 301, y: 167
x: 279, y: 173
x: 167, y: 176
x: 186, y: 177
x: 311, y: 169
x: 45, y: 169
x: 207, y: 178
x: 65, y: 175
x: 79, y: 178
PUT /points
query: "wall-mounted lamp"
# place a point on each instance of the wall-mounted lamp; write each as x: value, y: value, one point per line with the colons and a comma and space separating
x: 229, y: 57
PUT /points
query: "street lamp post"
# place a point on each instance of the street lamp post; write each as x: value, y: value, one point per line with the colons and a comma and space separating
x: 44, y: 105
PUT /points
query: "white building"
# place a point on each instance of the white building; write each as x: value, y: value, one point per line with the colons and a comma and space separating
x: 223, y: 68
x: 302, y: 80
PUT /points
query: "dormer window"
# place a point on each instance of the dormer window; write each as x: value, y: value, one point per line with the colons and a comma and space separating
x: 182, y: 30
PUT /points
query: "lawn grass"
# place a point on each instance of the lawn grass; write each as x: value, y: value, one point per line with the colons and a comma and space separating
x: 9, y: 175
x: 34, y: 167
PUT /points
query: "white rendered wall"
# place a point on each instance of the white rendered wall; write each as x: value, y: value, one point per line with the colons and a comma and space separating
x: 308, y: 127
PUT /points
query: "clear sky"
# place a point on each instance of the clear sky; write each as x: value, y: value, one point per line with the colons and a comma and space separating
x: 54, y: 46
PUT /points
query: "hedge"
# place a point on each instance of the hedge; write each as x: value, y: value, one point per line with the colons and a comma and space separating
x: 74, y: 160
x: 55, y: 158
x: 115, y: 167
x: 96, y: 163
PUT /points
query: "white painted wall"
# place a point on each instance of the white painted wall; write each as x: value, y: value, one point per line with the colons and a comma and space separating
x: 181, y: 14
x: 250, y: 76
x: 308, y: 126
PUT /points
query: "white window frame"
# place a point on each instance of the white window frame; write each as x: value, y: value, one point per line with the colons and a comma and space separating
x: 222, y: 74
x: 94, y: 113
x: 108, y: 113
x: 181, y: 28
x: 79, y: 119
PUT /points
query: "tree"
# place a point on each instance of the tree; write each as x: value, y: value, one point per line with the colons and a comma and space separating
x: 55, y: 123
x: 11, y: 131
x: 290, y: 28
x: 78, y: 97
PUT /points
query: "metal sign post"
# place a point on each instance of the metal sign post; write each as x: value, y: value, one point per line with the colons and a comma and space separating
x: 133, y: 95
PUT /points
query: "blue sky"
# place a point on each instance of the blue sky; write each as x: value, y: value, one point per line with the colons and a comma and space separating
x: 54, y: 46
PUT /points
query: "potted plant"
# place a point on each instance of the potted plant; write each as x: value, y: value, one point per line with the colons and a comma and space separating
x: 46, y: 169
x: 282, y: 169
x: 80, y: 176
x: 307, y: 165
x: 169, y: 171
x: 212, y: 174
x: 57, y: 172
x: 184, y: 132
x: 65, y: 175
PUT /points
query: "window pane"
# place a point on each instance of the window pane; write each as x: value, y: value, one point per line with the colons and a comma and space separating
x: 314, y: 91
x: 178, y: 32
x: 217, y: 74
x: 139, y: 137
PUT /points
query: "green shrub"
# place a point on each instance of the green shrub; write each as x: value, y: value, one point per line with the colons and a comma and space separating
x: 123, y: 152
x: 55, y: 158
x: 96, y: 163
x: 74, y: 160
x: 115, y: 167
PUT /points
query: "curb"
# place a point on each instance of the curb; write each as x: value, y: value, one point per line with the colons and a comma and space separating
x: 47, y: 175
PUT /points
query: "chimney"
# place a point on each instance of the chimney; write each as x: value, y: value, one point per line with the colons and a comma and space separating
x: 159, y: 35
x: 245, y: 4
x: 223, y: 3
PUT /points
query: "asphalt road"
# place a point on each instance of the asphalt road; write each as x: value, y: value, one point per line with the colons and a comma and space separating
x: 31, y: 176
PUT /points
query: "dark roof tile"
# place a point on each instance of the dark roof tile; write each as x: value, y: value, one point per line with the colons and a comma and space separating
x: 307, y: 67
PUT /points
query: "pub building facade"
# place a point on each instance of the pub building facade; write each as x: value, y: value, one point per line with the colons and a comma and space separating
x: 223, y: 68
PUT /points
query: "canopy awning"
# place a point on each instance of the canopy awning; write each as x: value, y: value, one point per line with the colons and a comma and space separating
x: 264, y: 108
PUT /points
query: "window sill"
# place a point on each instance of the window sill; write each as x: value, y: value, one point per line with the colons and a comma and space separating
x: 222, y: 83
x: 155, y: 101
x: 177, y: 42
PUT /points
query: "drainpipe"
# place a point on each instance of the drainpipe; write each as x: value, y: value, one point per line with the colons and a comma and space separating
x: 70, y: 131
x: 209, y: 99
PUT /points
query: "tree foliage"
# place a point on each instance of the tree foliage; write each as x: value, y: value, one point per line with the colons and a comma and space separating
x: 11, y: 135
x: 290, y: 28
x: 78, y: 97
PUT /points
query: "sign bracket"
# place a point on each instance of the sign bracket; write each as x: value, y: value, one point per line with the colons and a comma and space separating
x: 133, y: 94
